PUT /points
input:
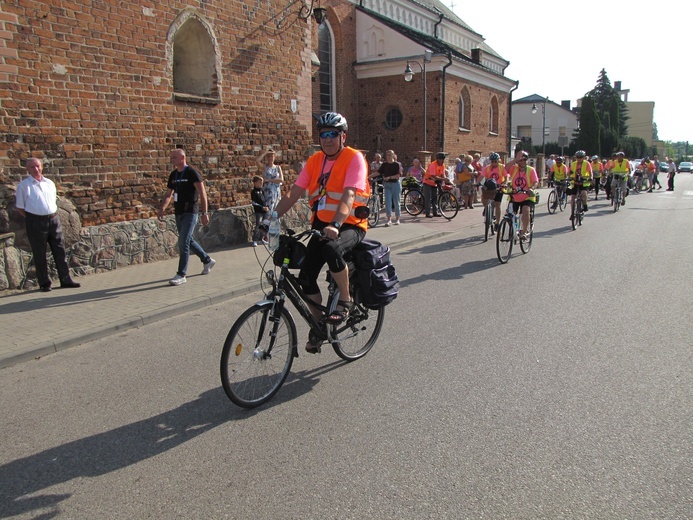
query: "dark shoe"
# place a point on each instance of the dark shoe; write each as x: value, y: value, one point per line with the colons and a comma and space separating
x: 586, y: 208
x: 340, y: 315
x: 437, y: 215
x: 623, y: 202
x: 496, y: 227
x: 69, y: 284
x: 46, y: 288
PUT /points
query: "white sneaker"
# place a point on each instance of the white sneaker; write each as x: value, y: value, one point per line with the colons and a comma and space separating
x: 388, y: 223
x: 208, y: 266
x: 177, y: 280
x: 254, y: 244
x: 397, y: 222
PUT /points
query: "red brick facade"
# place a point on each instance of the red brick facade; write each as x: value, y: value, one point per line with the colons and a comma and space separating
x: 88, y: 87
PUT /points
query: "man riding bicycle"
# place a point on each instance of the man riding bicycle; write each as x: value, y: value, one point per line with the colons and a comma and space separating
x: 336, y: 179
x: 522, y: 178
x: 597, y: 174
x: 491, y: 177
x: 580, y: 180
x: 620, y: 171
x: 559, y: 171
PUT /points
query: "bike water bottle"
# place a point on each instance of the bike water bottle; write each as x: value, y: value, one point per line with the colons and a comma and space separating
x: 273, y: 232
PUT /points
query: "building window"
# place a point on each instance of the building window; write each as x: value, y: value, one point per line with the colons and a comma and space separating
x: 326, y: 71
x: 493, y: 116
x: 393, y: 119
x: 465, y: 110
x: 194, y: 60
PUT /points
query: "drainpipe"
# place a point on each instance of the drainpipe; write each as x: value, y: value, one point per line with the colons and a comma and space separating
x: 510, y: 117
x: 442, y: 104
x: 435, y: 27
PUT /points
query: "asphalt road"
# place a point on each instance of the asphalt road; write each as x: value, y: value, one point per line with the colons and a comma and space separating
x: 556, y: 386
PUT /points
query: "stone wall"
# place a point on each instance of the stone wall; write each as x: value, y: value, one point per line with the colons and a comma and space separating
x: 105, y: 247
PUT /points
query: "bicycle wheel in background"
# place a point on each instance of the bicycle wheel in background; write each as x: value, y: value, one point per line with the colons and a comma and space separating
x: 447, y: 205
x: 250, y: 374
x: 526, y: 244
x: 552, y: 201
x: 504, y: 240
x: 373, y: 211
x: 616, y: 200
x: 356, y: 337
x: 562, y: 201
x: 488, y: 220
x: 414, y: 202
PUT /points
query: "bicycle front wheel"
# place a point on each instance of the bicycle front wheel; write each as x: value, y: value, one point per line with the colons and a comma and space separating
x: 526, y: 244
x: 488, y: 221
x: 373, y: 211
x: 414, y: 202
x: 504, y: 240
x: 447, y: 205
x: 562, y: 201
x: 354, y: 338
x: 257, y: 358
x: 552, y: 201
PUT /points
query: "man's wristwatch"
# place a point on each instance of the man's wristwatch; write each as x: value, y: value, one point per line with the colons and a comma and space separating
x: 336, y: 225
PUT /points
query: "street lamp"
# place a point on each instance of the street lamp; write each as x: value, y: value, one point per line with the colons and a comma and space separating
x: 409, y: 75
x: 543, y: 123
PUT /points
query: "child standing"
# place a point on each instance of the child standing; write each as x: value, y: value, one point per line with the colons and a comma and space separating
x: 257, y: 196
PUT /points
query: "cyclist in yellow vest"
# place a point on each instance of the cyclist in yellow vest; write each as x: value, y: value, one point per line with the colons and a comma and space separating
x: 620, y: 171
x: 559, y: 171
x: 336, y: 179
x: 580, y: 180
x: 597, y: 174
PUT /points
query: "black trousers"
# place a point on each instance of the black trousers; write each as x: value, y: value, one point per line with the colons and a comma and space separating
x: 670, y: 181
x: 43, y: 231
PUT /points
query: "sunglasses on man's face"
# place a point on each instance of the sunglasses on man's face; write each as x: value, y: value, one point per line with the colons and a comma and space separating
x: 329, y: 133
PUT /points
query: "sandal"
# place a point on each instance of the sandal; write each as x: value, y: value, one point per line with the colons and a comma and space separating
x: 340, y: 315
x: 313, y: 345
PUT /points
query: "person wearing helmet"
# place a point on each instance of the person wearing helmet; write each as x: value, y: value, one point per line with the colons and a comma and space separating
x: 435, y: 173
x: 336, y: 179
x: 522, y: 178
x: 557, y: 177
x: 620, y: 171
x: 491, y: 177
x: 597, y: 174
x: 580, y: 177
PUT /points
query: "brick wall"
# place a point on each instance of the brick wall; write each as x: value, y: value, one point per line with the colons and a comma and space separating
x: 87, y: 86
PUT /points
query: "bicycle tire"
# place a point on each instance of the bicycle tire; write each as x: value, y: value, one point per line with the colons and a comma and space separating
x: 526, y: 245
x: 373, y: 211
x: 488, y: 221
x: 357, y: 336
x: 414, y: 202
x: 448, y: 206
x: 504, y: 241
x: 617, y: 200
x: 249, y: 378
x: 563, y: 201
x: 552, y: 201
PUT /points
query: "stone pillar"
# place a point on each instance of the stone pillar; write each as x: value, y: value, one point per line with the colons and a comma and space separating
x: 424, y: 159
x: 541, y: 170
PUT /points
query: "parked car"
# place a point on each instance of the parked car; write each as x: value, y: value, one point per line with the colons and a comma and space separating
x: 663, y: 167
x: 685, y: 166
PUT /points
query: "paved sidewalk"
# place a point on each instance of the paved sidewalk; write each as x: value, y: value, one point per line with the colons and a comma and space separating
x: 34, y: 323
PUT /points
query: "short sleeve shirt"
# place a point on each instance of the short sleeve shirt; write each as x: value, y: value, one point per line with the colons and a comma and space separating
x: 37, y: 197
x: 183, y: 186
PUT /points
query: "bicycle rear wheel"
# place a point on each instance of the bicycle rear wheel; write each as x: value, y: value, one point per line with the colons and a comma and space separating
x: 504, y: 240
x: 447, y: 205
x: 354, y: 338
x: 373, y: 211
x: 552, y: 201
x: 414, y: 202
x: 616, y: 200
x: 526, y: 244
x: 250, y: 373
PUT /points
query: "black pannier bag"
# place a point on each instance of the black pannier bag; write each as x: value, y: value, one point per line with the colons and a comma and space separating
x: 378, y: 284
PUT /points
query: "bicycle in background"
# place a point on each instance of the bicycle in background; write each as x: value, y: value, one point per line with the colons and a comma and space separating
x: 557, y: 199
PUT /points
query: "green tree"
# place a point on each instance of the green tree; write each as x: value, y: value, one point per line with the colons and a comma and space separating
x: 606, y: 116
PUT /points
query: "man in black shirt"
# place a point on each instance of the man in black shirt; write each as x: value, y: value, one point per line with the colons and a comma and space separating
x: 185, y: 187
